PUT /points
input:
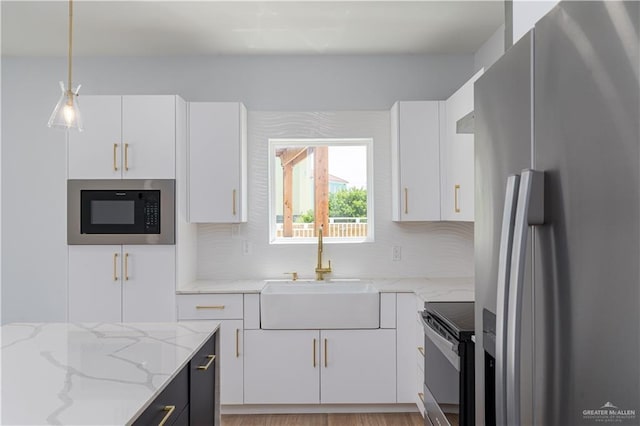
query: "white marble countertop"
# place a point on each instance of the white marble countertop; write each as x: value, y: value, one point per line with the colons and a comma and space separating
x: 91, y: 374
x: 458, y: 289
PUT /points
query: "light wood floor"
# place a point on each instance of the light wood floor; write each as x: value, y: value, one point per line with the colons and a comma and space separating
x: 364, y: 419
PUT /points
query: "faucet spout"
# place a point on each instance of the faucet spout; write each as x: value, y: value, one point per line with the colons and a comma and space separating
x: 320, y: 270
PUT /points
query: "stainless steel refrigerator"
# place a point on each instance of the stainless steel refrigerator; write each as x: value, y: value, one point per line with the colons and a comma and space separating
x: 557, y: 222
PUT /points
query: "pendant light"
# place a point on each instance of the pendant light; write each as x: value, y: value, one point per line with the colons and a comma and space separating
x: 66, y: 114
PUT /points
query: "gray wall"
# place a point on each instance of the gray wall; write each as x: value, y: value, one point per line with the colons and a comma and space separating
x: 34, y: 253
x: 490, y: 51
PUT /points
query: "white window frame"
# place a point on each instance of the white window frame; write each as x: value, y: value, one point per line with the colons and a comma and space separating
x: 275, y: 143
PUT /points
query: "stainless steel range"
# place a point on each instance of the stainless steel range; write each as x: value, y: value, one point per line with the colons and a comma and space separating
x: 449, y: 380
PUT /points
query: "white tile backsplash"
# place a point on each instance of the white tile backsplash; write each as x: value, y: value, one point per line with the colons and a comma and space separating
x: 428, y: 249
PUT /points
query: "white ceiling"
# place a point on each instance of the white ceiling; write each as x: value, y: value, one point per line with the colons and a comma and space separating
x: 152, y: 28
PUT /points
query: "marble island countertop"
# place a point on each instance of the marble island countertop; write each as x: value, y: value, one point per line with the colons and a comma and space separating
x: 91, y: 374
x: 428, y: 289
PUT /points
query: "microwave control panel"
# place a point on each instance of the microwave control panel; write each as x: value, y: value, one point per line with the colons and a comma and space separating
x: 151, y: 213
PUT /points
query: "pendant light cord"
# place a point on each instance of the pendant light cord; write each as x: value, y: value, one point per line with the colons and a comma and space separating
x: 70, y: 40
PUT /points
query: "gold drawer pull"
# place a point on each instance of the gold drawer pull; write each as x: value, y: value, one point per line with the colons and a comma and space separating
x: 206, y: 367
x: 169, y: 409
x: 326, y: 361
x: 234, y: 202
x: 421, y: 396
x: 209, y: 306
x: 314, y: 353
x: 126, y: 266
x: 421, y: 349
x: 115, y: 157
x: 406, y: 201
x: 237, y: 342
x: 126, y: 156
x: 115, y: 266
x: 456, y: 191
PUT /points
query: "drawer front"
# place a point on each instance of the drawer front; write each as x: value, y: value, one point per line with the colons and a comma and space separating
x: 169, y: 404
x: 420, y: 389
x: 209, y: 306
x: 183, y: 419
x: 203, y: 371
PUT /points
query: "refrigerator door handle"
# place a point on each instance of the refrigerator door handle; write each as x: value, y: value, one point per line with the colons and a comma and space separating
x: 529, y: 212
x: 504, y: 263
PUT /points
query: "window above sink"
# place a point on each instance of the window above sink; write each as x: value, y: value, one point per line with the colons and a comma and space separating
x: 317, y: 183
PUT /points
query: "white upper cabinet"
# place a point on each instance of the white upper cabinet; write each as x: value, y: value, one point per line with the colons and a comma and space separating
x: 217, y: 162
x: 415, y: 160
x: 130, y: 137
x: 149, y: 137
x: 95, y: 153
x: 457, y: 157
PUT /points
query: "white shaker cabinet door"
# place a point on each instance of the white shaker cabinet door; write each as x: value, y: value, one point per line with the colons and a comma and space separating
x: 95, y: 283
x: 281, y: 367
x: 415, y: 157
x: 96, y: 152
x: 148, y: 283
x: 406, y: 347
x: 231, y: 362
x: 217, y: 162
x: 149, y: 137
x: 457, y: 156
x: 358, y: 366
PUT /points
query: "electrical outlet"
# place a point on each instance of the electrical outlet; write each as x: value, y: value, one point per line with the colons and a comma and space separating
x: 396, y: 253
x: 247, y: 247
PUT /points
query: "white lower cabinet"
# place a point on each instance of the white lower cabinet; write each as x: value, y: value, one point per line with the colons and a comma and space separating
x: 406, y: 347
x: 227, y: 308
x: 231, y: 368
x: 358, y: 366
x: 327, y: 366
x: 122, y: 283
x: 282, y: 367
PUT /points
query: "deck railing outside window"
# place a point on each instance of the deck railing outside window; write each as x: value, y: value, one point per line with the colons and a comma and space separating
x: 338, y: 227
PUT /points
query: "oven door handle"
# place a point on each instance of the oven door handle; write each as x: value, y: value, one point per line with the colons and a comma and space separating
x: 446, y: 347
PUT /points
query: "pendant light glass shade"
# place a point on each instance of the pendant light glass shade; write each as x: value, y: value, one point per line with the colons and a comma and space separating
x: 66, y: 115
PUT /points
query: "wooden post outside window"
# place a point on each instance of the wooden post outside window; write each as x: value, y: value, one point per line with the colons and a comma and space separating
x: 321, y: 189
x: 289, y: 157
x: 288, y: 200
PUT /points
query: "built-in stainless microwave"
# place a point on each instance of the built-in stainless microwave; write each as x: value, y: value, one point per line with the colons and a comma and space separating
x: 112, y: 211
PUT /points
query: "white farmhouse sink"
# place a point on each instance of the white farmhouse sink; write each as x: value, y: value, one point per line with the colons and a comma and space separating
x: 319, y: 305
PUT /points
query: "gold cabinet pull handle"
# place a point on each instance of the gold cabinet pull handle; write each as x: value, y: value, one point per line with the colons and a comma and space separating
x: 421, y: 396
x: 406, y: 201
x: 169, y: 409
x: 210, y: 307
x: 126, y: 156
x: 237, y: 342
x: 234, y: 202
x: 421, y: 349
x: 314, y: 353
x: 126, y: 266
x: 326, y: 362
x: 456, y: 191
x: 208, y: 364
x: 115, y: 157
x: 115, y: 266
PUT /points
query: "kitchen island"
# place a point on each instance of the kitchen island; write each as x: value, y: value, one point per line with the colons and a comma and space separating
x: 107, y: 374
